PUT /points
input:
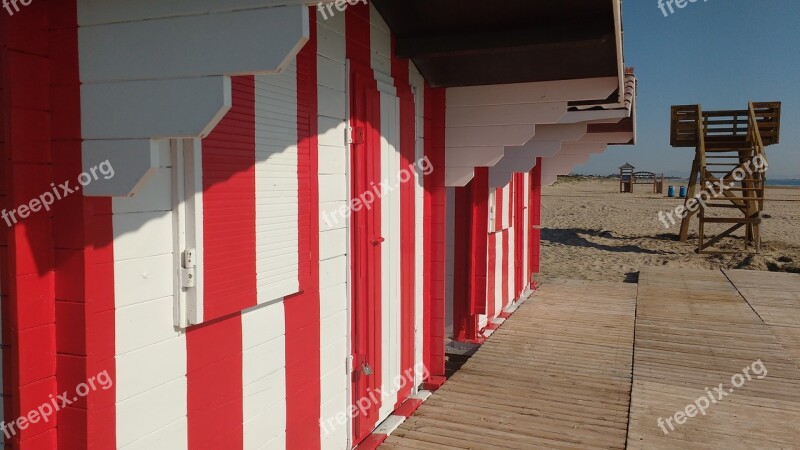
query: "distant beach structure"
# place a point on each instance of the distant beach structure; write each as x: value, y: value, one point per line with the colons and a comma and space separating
x: 628, y: 179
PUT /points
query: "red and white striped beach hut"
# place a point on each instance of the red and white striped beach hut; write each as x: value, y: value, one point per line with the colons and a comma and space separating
x: 252, y: 224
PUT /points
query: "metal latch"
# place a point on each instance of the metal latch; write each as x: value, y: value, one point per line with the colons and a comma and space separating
x: 366, y: 369
x: 188, y: 269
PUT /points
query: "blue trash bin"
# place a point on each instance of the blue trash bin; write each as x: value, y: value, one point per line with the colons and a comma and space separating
x: 671, y: 191
x: 683, y: 191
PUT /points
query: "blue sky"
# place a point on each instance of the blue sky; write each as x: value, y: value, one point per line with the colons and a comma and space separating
x: 719, y: 53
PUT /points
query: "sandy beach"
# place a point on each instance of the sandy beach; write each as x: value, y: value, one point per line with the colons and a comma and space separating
x: 590, y: 231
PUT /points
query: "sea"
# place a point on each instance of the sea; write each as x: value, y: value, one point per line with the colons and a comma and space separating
x: 783, y: 182
x: 770, y: 182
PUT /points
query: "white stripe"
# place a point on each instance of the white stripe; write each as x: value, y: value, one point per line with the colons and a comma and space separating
x: 449, y: 260
x: 151, y: 391
x: 417, y: 82
x: 390, y: 253
x: 527, y: 233
x: 511, y: 271
x: 498, y: 272
x: 391, y: 309
x: 334, y: 236
x: 380, y: 43
x: 276, y: 197
x: 264, y: 375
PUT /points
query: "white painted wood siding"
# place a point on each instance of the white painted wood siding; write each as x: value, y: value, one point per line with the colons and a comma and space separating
x: 449, y: 259
x: 151, y: 384
x: 264, y: 376
x: 390, y: 253
x: 276, y: 196
x: 334, y: 230
x: 418, y: 85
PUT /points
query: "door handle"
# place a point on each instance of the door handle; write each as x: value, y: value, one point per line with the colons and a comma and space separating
x: 378, y: 240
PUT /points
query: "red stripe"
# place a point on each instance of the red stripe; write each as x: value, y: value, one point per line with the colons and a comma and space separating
x: 366, y: 249
x: 357, y: 26
x: 478, y: 242
x: 471, y: 256
x: 303, y: 391
x: 536, y: 194
x: 372, y: 442
x: 229, y: 207
x: 400, y: 73
x: 479, y: 239
x: 29, y: 351
x: 408, y: 408
x: 519, y: 233
x: 464, y: 324
x: 366, y: 224
x: 535, y: 217
x: 214, y: 349
x: 84, y: 259
x: 435, y: 231
x: 214, y: 382
x: 64, y: 259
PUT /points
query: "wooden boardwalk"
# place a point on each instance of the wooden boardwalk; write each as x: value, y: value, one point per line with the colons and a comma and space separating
x: 558, y: 374
x: 694, y: 331
x: 775, y: 297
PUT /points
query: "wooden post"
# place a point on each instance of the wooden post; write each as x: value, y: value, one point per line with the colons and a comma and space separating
x: 690, y: 194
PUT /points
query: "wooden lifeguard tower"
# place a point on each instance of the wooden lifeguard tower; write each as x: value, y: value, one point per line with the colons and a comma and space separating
x: 729, y: 145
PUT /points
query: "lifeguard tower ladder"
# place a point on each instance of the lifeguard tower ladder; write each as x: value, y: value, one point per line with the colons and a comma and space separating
x: 730, y: 150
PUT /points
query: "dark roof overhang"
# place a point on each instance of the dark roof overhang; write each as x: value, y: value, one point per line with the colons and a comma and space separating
x: 472, y: 42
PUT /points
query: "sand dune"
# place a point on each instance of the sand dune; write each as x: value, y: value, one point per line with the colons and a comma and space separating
x: 590, y: 231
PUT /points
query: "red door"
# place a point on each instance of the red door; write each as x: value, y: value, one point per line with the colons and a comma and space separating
x: 471, y: 256
x: 366, y: 250
x: 519, y: 234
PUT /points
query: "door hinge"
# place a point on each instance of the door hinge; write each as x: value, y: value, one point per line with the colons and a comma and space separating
x: 355, y: 135
x: 188, y: 266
